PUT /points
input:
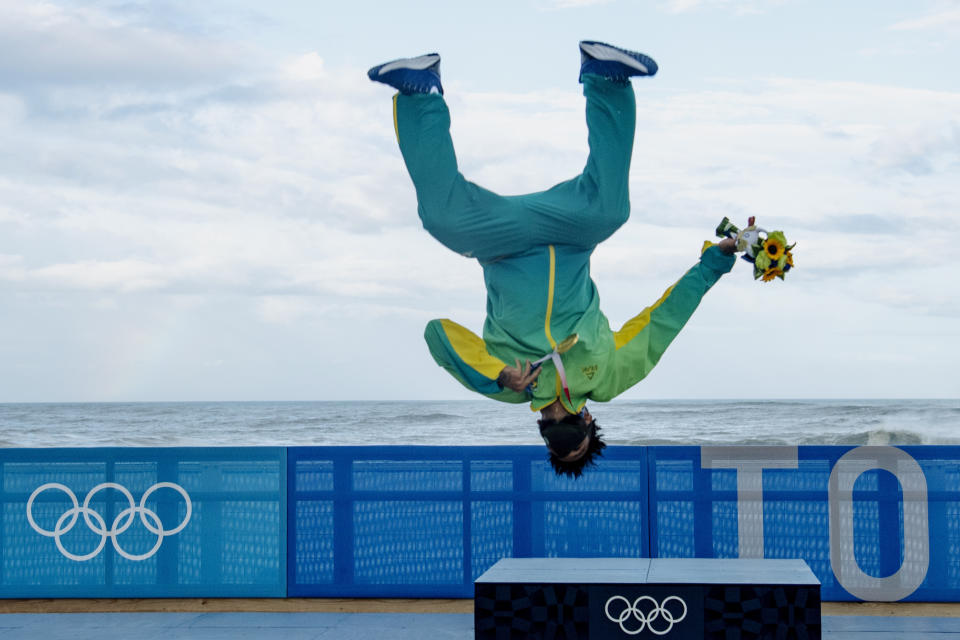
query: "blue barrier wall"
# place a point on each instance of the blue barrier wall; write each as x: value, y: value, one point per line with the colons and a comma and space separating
x: 874, y: 523
x: 125, y: 523
x: 426, y: 521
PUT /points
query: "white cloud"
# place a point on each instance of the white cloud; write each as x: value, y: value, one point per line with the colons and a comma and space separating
x: 305, y: 68
x: 124, y: 276
x: 12, y: 109
x: 946, y: 20
x: 574, y: 4
x: 43, y: 43
x: 10, y: 261
x: 921, y: 148
x: 738, y: 6
x: 284, y: 310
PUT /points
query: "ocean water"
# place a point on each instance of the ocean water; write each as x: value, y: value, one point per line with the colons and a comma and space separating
x: 151, y: 424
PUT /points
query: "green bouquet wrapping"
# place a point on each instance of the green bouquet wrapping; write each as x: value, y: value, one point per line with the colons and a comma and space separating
x: 768, y: 251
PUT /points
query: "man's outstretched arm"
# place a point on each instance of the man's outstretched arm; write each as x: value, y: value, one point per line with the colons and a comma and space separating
x: 644, y: 338
x: 464, y: 355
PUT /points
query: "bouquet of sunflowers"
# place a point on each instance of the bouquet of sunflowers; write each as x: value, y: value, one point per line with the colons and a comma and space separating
x: 767, y: 250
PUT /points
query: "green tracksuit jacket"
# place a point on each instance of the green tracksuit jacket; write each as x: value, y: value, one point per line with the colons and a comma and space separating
x: 535, y: 252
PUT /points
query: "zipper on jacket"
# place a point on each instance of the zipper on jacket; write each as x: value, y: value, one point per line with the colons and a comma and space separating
x: 551, y: 281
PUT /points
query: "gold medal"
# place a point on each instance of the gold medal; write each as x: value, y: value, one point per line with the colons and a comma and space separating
x: 567, y: 343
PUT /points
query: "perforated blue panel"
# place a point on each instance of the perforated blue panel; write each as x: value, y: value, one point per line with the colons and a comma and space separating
x: 426, y: 521
x: 76, y: 524
x: 694, y: 513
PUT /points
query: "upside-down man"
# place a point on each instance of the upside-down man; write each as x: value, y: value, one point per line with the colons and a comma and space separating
x: 535, y: 252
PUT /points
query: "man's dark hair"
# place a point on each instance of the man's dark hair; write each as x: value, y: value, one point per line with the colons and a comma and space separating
x: 574, y: 468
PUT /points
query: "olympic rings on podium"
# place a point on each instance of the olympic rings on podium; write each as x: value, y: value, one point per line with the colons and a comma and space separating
x: 648, y: 617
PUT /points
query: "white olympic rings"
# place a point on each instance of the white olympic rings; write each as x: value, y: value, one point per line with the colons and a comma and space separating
x: 98, y: 525
x: 646, y: 619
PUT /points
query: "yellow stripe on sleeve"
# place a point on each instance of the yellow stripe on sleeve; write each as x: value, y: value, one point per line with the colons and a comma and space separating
x: 396, y: 128
x: 637, y: 324
x: 471, y: 348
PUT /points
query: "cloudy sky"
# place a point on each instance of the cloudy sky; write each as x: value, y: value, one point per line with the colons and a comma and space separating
x: 204, y: 200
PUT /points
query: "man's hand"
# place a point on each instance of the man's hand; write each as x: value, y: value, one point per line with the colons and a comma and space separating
x: 518, y: 378
x: 728, y: 246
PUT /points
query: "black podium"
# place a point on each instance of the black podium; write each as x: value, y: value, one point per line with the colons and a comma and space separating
x: 674, y: 598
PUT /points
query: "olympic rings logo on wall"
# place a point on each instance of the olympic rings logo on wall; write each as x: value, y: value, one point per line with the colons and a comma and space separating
x: 98, y: 525
x: 646, y: 616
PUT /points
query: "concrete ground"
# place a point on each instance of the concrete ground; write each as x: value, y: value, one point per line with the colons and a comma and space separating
x: 308, y: 619
x: 364, y: 626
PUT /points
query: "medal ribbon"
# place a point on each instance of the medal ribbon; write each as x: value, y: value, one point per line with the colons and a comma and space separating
x: 558, y: 363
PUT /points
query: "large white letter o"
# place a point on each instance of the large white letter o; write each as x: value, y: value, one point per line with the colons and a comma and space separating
x: 916, y: 537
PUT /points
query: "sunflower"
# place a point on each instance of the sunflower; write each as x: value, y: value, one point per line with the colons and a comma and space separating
x: 771, y: 273
x: 785, y: 263
x: 775, y: 245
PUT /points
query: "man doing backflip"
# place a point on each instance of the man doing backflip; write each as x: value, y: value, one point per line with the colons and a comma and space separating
x: 542, y: 305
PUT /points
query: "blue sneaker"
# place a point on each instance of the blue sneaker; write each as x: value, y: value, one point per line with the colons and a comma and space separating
x: 410, y: 75
x: 612, y: 62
